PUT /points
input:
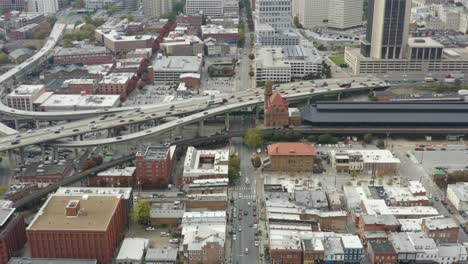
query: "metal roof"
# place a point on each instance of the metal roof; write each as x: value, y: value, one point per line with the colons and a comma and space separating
x: 386, y: 113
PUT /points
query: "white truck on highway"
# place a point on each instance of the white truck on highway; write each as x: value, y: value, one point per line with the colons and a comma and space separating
x: 214, y: 101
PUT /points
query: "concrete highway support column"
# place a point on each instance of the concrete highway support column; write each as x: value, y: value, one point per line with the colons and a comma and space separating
x: 226, y: 122
x: 339, y: 96
x: 54, y: 153
x: 110, y: 132
x: 81, y: 137
x: 11, y: 159
x: 21, y: 153
x: 37, y: 124
x: 76, y: 153
x: 201, y: 125
x: 16, y: 124
x: 42, y: 151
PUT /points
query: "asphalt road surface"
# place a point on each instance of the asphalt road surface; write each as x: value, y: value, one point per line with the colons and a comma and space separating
x: 244, y: 199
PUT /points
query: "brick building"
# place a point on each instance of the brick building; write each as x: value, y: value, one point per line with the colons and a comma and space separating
x: 87, y: 226
x: 371, y: 162
x: 154, y: 166
x: 167, y: 213
x: 80, y: 86
x: 218, y: 32
x: 204, y: 164
x: 115, y: 83
x: 114, y: 178
x: 442, y: 230
x: 275, y: 108
x: 382, y: 252
x: 371, y: 224
x: 86, y: 55
x: 44, y: 174
x: 13, y: 231
x: 291, y: 157
x: 313, y: 251
x: 286, y: 251
x: 118, y: 43
x: 191, y: 80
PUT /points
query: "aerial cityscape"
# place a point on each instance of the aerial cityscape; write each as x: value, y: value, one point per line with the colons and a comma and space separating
x: 233, y: 131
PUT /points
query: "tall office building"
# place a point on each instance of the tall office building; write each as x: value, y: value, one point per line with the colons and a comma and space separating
x: 8, y: 5
x: 131, y: 5
x: 276, y: 13
x: 157, y: 8
x: 205, y: 7
x: 343, y: 14
x: 43, y: 6
x: 387, y: 29
x: 311, y: 13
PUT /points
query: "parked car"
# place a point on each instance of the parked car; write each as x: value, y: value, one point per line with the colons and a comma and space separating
x: 174, y: 241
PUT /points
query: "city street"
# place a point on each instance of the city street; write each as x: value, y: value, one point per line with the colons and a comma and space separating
x: 243, y: 249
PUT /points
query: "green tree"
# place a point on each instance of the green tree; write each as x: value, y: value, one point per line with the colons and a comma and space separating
x: 141, y: 212
x: 178, y: 7
x: 67, y: 43
x: 311, y: 138
x: 368, y: 138
x: 3, y: 189
x: 457, y: 85
x: 254, y: 138
x: 380, y: 144
x: 251, y: 56
x: 42, y: 31
x: 251, y: 73
x: 111, y: 9
x: 297, y: 24
x: 327, y: 139
x: 3, y: 57
x: 78, y: 4
x: 234, y: 167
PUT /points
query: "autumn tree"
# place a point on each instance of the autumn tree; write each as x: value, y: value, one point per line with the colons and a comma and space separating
x: 141, y: 212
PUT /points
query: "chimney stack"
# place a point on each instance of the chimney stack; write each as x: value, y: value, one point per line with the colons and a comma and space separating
x: 73, y: 208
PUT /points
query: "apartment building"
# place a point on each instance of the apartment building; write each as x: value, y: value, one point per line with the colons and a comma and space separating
x: 276, y: 13
x: 23, y: 96
x: 204, y: 7
x: 344, y: 14
x: 157, y: 8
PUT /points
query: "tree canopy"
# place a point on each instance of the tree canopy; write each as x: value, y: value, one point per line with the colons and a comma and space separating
x: 254, y: 138
x: 141, y: 212
x: 234, y: 167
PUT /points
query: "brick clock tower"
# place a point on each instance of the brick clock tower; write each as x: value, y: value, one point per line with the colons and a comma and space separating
x: 275, y: 108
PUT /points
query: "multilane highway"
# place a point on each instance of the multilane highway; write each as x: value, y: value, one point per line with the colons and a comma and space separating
x: 199, y: 106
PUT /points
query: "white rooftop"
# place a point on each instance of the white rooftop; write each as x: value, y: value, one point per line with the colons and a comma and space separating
x: 133, y: 249
x: 440, y: 223
x: 352, y: 241
x: 116, y: 36
x: 115, y: 172
x: 80, y: 101
x: 371, y: 156
x: 423, y: 43
x: 181, y: 64
x: 78, y: 81
x: 112, y: 191
x: 217, y: 29
x: 193, y: 166
x: 26, y: 90
x: 460, y: 189
x: 117, y: 78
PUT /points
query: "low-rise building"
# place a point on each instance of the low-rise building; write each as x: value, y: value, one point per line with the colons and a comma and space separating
x: 452, y: 253
x: 23, y: 96
x: 372, y: 162
x: 369, y: 225
x: 275, y: 107
x: 169, y: 69
x: 291, y: 157
x: 382, y: 252
x: 116, y: 83
x: 154, y: 166
x: 313, y: 250
x: 352, y: 248
x: 45, y: 173
x: 86, y: 55
x: 80, y: 86
x: 204, y: 164
x: 76, y: 102
x: 13, y: 231
x: 166, y: 255
x: 334, y: 251
x: 215, y: 48
x: 311, y: 198
x: 118, y: 42
x: 167, y: 213
x: 80, y: 225
x: 281, y: 64
x: 114, y: 178
x: 19, y: 55
x: 266, y: 35
x: 285, y: 248
x: 191, y: 80
x: 140, y: 53
x: 181, y: 45
x: 204, y: 235
x: 51, y: 261
x: 132, y: 250
x: 442, y: 230
x: 457, y: 194
x: 218, y: 32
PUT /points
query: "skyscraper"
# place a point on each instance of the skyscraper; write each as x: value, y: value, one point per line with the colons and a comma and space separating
x: 343, y: 14
x: 276, y: 13
x: 157, y: 8
x: 387, y: 29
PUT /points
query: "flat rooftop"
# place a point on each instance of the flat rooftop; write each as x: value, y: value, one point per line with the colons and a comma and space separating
x: 177, y: 63
x: 39, y: 169
x: 51, y: 261
x: 96, y: 216
x: 96, y: 191
x: 26, y: 90
x: 424, y: 43
x: 115, y: 172
x: 205, y: 162
x: 79, y: 100
x: 440, y: 223
x: 117, y: 78
x: 85, y: 50
x: 155, y: 153
x: 395, y: 113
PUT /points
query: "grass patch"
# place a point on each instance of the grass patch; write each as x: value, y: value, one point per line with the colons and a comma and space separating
x: 338, y: 59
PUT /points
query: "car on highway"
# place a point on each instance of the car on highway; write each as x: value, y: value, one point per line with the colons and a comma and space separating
x: 234, y: 237
x: 240, y: 228
x: 246, y: 251
x: 29, y: 131
x: 76, y: 130
x: 164, y: 234
x: 256, y: 243
x: 246, y: 212
x: 16, y: 142
x: 57, y: 132
x: 174, y: 241
x: 118, y: 138
x: 121, y: 121
x: 149, y: 228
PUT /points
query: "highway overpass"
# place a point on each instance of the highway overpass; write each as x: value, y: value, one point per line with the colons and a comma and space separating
x: 292, y: 92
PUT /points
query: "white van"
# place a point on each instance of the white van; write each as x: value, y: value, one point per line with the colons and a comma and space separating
x: 246, y: 251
